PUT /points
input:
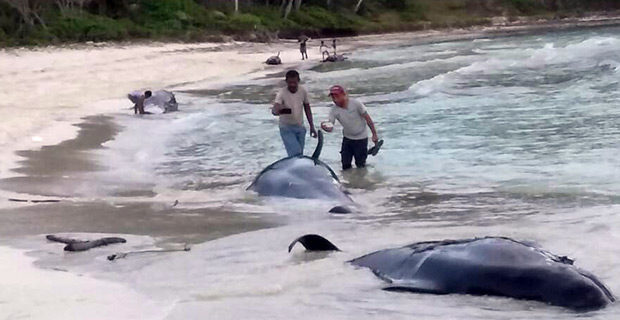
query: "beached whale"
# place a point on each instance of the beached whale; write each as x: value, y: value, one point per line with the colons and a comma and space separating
x: 161, y: 101
x: 483, y: 266
x: 335, y: 58
x: 303, y: 177
x: 274, y: 60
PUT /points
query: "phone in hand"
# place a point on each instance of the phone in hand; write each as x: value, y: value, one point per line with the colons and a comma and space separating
x: 286, y: 111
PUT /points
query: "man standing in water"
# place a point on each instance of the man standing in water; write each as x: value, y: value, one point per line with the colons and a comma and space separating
x: 354, y: 117
x: 325, y: 52
x: 290, y: 104
x: 303, y: 48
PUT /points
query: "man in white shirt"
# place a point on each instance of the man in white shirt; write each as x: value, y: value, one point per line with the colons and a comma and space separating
x: 290, y: 104
x: 139, y: 104
x: 353, y: 116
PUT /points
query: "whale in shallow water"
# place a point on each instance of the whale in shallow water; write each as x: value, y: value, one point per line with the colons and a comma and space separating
x: 161, y: 101
x: 493, y: 266
x: 335, y: 58
x: 303, y: 177
x: 274, y: 60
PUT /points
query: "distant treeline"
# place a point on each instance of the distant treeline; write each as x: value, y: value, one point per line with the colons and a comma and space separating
x: 31, y: 22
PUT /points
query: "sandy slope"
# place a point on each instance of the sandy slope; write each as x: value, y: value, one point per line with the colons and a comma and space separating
x: 44, y: 90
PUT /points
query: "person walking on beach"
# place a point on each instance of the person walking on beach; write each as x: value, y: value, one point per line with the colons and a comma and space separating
x: 139, y: 106
x: 290, y: 104
x: 303, y: 48
x: 324, y: 53
x: 334, y: 46
x: 354, y: 118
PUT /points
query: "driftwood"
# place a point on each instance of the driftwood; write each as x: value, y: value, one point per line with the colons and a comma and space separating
x: 83, y: 245
x: 33, y: 201
x: 121, y: 255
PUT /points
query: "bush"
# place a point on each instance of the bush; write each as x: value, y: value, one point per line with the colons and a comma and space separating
x: 525, y: 6
x: 243, y: 22
x: 80, y: 26
x: 186, y: 12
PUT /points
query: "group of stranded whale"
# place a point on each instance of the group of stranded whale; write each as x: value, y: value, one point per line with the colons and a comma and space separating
x: 492, y: 266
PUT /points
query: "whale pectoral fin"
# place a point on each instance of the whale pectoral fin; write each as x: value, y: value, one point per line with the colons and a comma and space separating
x: 415, y: 289
x: 314, y: 242
x: 415, y: 286
x: 420, y: 286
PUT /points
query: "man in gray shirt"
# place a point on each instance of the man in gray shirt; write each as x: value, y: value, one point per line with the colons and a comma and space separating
x: 353, y: 116
x: 290, y: 104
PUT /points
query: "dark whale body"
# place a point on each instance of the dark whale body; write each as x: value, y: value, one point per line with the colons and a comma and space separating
x: 302, y: 177
x: 335, y: 58
x: 274, y: 60
x: 483, y: 266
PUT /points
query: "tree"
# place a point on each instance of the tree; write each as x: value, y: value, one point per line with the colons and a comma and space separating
x: 29, y: 10
x: 287, y: 6
x: 65, y: 5
x: 358, y: 5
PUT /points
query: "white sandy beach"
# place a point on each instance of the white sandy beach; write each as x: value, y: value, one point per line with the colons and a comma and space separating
x: 43, y: 91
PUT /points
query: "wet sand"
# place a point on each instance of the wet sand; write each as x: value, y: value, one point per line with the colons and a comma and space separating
x: 60, y: 170
x: 161, y: 221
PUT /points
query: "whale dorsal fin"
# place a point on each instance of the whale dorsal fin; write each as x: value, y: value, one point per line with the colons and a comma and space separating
x: 319, y: 146
x: 314, y: 242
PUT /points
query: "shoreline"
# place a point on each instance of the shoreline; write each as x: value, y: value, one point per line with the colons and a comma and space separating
x: 499, y: 29
x: 27, y: 174
x: 244, y: 60
x: 502, y: 24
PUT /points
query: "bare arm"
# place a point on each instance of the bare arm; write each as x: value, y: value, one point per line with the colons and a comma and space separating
x: 371, y: 125
x: 310, y: 120
x: 140, y: 105
x: 275, y: 110
x: 331, y: 119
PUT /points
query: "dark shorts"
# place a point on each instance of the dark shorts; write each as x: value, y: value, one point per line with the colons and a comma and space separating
x: 357, y: 149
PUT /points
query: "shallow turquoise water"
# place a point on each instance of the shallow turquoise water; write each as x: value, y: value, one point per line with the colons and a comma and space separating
x: 515, y: 136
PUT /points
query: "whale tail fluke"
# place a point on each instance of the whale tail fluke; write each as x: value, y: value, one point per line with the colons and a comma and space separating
x: 319, y: 146
x: 314, y: 242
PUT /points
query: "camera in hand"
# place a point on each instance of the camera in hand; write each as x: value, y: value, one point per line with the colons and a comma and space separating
x: 286, y: 111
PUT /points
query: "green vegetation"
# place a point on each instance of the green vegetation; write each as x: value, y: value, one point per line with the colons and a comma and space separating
x: 33, y: 22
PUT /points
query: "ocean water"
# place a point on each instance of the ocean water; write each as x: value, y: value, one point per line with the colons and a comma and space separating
x: 511, y: 136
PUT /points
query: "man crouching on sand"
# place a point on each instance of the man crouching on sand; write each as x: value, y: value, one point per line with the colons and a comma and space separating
x: 353, y: 116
